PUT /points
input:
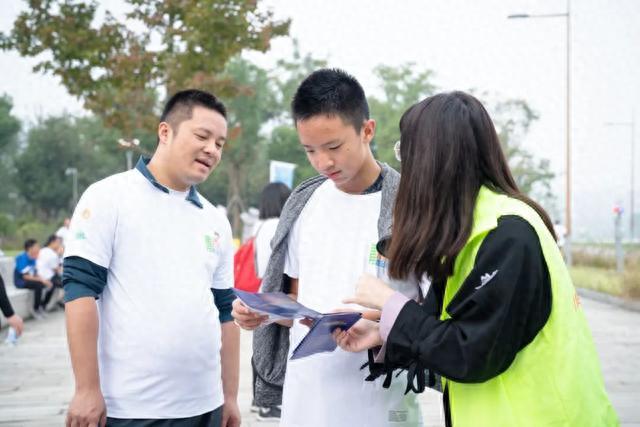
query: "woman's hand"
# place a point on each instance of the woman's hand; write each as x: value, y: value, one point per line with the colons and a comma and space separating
x: 363, y: 335
x: 371, y: 292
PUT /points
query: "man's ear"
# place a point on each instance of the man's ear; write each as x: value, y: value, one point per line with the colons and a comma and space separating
x: 368, y: 130
x: 164, y: 132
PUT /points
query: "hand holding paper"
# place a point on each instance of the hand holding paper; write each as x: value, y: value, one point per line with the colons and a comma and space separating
x: 363, y: 335
x: 245, y: 318
x: 277, y: 305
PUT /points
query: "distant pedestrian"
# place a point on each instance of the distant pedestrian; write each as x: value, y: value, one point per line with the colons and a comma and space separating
x: 272, y: 200
x: 63, y: 232
x: 561, y: 233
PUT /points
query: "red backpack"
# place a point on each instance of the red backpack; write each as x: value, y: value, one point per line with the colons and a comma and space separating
x: 244, y: 267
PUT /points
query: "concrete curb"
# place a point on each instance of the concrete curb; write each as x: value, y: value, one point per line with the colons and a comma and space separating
x: 627, y: 304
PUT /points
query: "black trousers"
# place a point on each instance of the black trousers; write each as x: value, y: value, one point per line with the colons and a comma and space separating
x: 210, y: 419
x: 37, y: 289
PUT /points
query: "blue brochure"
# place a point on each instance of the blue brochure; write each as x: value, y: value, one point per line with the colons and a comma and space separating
x: 278, y: 305
x: 320, y: 339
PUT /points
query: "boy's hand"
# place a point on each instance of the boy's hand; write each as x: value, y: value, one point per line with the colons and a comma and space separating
x: 245, y: 318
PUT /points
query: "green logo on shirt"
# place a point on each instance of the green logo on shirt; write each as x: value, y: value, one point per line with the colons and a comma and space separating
x: 375, y: 258
x: 211, y: 242
x: 80, y: 235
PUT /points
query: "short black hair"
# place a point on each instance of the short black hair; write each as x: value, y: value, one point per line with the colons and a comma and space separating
x: 331, y: 92
x: 51, y: 239
x: 180, y: 106
x: 28, y: 244
x: 272, y: 199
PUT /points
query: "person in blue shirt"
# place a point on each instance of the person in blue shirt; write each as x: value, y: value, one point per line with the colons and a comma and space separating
x: 26, y: 277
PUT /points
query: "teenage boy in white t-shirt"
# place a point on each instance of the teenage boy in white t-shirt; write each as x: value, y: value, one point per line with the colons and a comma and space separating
x: 159, y: 259
x: 325, y: 240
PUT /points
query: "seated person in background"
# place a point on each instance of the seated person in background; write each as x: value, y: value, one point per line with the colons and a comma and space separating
x: 49, y: 266
x: 25, y: 277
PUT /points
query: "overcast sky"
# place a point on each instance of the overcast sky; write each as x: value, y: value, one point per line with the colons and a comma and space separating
x: 468, y: 44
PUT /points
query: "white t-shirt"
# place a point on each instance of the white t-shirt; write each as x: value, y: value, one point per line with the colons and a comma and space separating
x: 47, y: 263
x: 63, y: 233
x: 160, y: 339
x: 265, y: 230
x: 331, y: 244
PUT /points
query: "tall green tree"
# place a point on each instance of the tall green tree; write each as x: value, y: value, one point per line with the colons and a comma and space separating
x: 244, y: 157
x: 401, y: 87
x: 9, y: 124
x: 513, y: 119
x: 9, y: 129
x: 53, y: 145
x: 119, y: 73
x: 283, y: 144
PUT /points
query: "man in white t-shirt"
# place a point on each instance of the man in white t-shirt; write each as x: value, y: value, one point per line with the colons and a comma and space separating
x: 159, y: 259
x: 326, y: 239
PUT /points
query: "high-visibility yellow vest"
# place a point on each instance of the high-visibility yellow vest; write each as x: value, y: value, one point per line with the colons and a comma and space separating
x: 556, y: 379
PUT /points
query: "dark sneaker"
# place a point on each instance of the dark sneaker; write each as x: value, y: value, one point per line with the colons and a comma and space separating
x: 269, y: 414
x: 36, y: 314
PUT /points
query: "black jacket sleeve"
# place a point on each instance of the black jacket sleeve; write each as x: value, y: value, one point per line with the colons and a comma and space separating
x: 500, y: 307
x: 5, y: 304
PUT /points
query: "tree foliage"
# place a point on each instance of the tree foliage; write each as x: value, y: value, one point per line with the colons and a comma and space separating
x: 120, y: 73
x: 512, y: 119
x: 401, y: 87
x: 53, y: 145
x: 9, y: 129
x: 9, y: 124
x: 243, y: 162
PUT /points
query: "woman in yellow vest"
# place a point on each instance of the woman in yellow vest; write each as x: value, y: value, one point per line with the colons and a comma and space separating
x: 501, y: 322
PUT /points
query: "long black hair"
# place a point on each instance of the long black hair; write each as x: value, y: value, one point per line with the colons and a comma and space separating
x: 272, y: 199
x: 449, y: 149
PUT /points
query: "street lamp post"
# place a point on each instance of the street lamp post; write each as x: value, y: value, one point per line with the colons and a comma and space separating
x: 567, y: 16
x: 74, y: 175
x: 632, y: 126
x: 129, y: 146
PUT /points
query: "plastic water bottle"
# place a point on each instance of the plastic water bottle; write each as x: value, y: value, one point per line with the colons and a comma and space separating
x: 12, y: 337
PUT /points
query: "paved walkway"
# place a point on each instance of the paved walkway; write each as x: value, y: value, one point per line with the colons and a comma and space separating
x: 36, y: 382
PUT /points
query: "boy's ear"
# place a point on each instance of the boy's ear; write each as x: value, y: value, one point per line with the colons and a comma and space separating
x: 368, y: 130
